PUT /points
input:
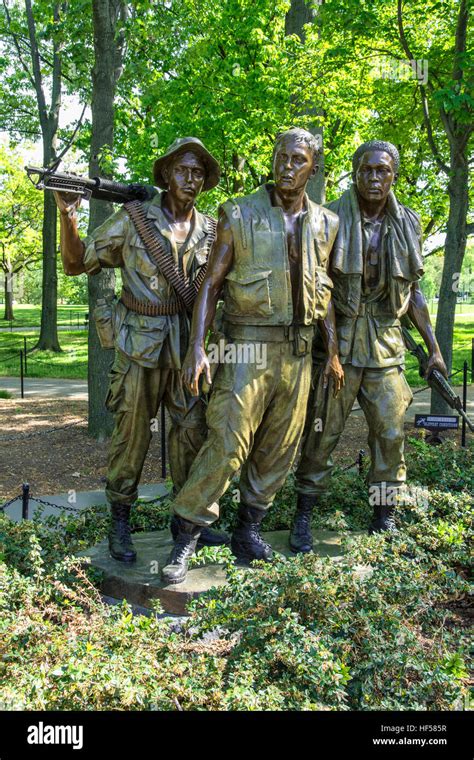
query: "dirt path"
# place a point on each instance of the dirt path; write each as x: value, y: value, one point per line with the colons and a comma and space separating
x: 58, y: 460
x: 55, y: 461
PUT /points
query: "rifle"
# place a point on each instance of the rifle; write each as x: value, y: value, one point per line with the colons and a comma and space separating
x: 95, y: 187
x: 435, y: 379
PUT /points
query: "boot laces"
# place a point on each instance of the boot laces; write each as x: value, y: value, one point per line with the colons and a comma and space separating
x: 122, y: 525
x: 255, y: 535
x: 302, y: 522
x: 124, y: 531
x: 181, y: 550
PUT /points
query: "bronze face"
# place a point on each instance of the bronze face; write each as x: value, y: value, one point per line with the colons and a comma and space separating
x: 375, y: 175
x: 186, y: 175
x: 293, y: 165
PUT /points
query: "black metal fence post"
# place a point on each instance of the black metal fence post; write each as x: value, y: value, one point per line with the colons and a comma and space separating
x: 472, y: 361
x: 360, y: 461
x: 25, y: 501
x: 22, y: 384
x: 464, y: 403
x: 163, y: 441
x: 24, y: 349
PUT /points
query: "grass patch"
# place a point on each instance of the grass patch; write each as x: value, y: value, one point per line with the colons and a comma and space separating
x: 462, y: 347
x: 29, y: 315
x: 5, y: 394
x: 70, y: 363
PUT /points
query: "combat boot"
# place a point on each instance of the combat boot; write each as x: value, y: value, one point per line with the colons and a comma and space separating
x: 301, y: 538
x: 383, y: 520
x: 246, y: 542
x: 208, y: 537
x: 184, y: 547
x: 120, y: 540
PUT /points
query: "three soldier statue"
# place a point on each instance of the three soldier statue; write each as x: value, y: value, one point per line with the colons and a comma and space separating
x: 320, y: 289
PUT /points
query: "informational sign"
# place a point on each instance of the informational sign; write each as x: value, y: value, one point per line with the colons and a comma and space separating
x: 437, y: 421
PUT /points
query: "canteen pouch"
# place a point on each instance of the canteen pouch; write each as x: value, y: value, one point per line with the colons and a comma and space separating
x: 103, y: 317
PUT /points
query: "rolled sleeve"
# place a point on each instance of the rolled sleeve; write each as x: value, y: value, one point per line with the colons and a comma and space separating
x: 104, y: 246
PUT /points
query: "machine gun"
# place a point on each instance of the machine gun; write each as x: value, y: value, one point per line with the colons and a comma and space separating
x: 95, y: 187
x: 435, y: 379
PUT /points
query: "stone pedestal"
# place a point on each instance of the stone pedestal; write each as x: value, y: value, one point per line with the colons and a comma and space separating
x: 140, y: 582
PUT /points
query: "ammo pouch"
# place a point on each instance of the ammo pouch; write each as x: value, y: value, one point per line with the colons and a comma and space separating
x: 301, y: 344
x: 104, y: 321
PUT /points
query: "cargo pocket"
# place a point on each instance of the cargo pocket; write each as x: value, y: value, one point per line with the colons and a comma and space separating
x: 117, y: 375
x: 322, y: 292
x: 140, y: 259
x: 104, y: 322
x: 406, y: 390
x: 248, y: 295
x: 142, y: 338
x: 390, y: 342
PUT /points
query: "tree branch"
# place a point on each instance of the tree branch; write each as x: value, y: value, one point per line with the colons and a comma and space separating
x: 424, y: 99
x: 17, y: 45
x: 73, y: 136
x: 37, y: 78
x: 56, y: 81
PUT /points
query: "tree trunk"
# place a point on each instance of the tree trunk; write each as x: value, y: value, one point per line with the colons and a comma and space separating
x: 108, y: 56
x: 8, y: 298
x: 302, y: 12
x: 48, y: 338
x: 238, y: 164
x: 454, y: 250
x: 49, y: 121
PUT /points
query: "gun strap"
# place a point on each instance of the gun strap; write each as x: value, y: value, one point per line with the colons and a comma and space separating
x: 186, y: 292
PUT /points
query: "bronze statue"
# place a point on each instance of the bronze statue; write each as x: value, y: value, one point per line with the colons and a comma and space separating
x: 149, y: 325
x: 375, y: 267
x: 270, y: 258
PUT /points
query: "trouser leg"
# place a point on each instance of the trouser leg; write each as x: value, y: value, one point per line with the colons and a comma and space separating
x: 188, y: 428
x: 236, y: 407
x: 134, y: 396
x: 278, y: 436
x: 325, y: 421
x: 384, y: 396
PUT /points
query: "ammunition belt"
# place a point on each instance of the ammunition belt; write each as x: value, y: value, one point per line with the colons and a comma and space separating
x: 186, y: 292
x: 148, y: 309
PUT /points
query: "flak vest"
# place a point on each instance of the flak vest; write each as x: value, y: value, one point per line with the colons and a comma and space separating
x: 257, y: 290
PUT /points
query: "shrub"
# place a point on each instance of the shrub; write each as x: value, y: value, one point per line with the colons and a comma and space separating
x: 381, y: 628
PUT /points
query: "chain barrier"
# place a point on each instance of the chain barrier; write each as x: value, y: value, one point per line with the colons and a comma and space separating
x: 61, y: 507
x: 50, y: 504
x: 8, y: 358
x: 7, y: 504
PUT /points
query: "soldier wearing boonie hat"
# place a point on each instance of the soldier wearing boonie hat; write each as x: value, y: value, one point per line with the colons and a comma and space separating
x: 150, y: 324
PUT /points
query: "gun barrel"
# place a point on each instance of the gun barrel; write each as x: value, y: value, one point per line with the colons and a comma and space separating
x: 94, y: 187
x: 468, y: 421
